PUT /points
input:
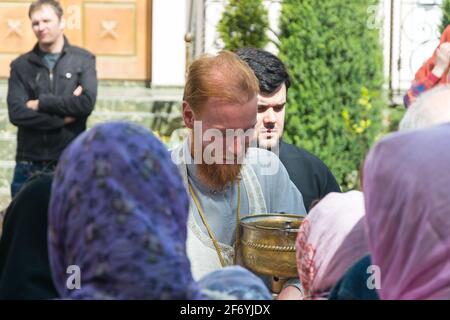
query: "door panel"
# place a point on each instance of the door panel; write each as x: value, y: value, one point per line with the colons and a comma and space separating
x: 118, y: 32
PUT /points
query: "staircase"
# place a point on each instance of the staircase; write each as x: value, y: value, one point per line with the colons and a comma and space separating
x: 158, y: 109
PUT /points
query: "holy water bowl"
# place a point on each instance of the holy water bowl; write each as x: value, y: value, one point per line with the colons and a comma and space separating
x: 268, y: 244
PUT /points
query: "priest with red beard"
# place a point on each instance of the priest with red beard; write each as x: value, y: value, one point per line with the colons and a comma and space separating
x: 226, y: 177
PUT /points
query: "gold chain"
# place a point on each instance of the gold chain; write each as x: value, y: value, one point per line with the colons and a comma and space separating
x: 211, y: 235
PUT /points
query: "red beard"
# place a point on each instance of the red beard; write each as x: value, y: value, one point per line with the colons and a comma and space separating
x: 217, y: 176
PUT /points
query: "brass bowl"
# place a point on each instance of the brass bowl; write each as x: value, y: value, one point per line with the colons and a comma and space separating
x: 268, y: 244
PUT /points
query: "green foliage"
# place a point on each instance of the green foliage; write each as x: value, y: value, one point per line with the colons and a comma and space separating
x: 445, y: 14
x: 335, y: 60
x: 244, y: 23
x: 392, y: 117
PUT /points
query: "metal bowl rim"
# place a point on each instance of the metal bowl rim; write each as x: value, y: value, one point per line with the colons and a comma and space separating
x: 247, y: 225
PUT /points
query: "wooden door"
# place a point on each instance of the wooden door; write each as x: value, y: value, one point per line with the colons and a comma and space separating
x: 118, y: 32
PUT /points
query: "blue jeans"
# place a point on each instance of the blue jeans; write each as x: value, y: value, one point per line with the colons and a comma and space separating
x: 24, y: 170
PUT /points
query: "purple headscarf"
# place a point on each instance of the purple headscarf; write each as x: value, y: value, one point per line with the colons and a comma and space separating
x: 234, y: 282
x: 118, y: 211
x: 406, y: 186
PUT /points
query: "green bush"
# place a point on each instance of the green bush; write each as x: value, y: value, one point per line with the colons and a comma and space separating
x: 244, y: 23
x: 335, y: 59
x: 445, y: 14
x: 391, y: 118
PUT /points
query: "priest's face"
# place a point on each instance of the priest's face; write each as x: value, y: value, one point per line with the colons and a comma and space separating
x: 221, y: 135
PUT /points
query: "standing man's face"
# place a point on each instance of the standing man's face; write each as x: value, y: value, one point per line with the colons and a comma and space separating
x: 47, y: 27
x: 270, y: 118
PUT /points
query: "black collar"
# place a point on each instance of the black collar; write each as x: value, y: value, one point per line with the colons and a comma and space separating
x: 34, y: 54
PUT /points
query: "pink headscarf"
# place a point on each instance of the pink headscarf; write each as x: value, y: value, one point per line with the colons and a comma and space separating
x: 330, y: 240
x: 406, y: 185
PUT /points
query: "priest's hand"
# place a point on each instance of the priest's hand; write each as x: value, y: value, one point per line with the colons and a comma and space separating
x: 290, y: 293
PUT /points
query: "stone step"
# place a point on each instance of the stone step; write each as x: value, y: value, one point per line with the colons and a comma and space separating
x: 7, y: 147
x: 156, y: 109
x: 163, y: 123
x: 6, y: 174
x: 128, y: 105
x: 136, y: 94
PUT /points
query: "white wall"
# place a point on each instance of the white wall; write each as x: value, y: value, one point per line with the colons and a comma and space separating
x: 168, y: 46
x: 169, y: 27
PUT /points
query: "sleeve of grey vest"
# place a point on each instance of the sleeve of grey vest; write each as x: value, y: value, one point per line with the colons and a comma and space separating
x: 288, y: 198
x: 20, y: 115
x: 71, y: 105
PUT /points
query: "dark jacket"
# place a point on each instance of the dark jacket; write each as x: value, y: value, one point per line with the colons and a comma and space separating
x: 43, y: 135
x: 353, y: 285
x: 24, y: 263
x: 309, y: 174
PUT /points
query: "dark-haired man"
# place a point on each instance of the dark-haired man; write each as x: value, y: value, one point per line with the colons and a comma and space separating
x: 52, y: 91
x: 310, y: 175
